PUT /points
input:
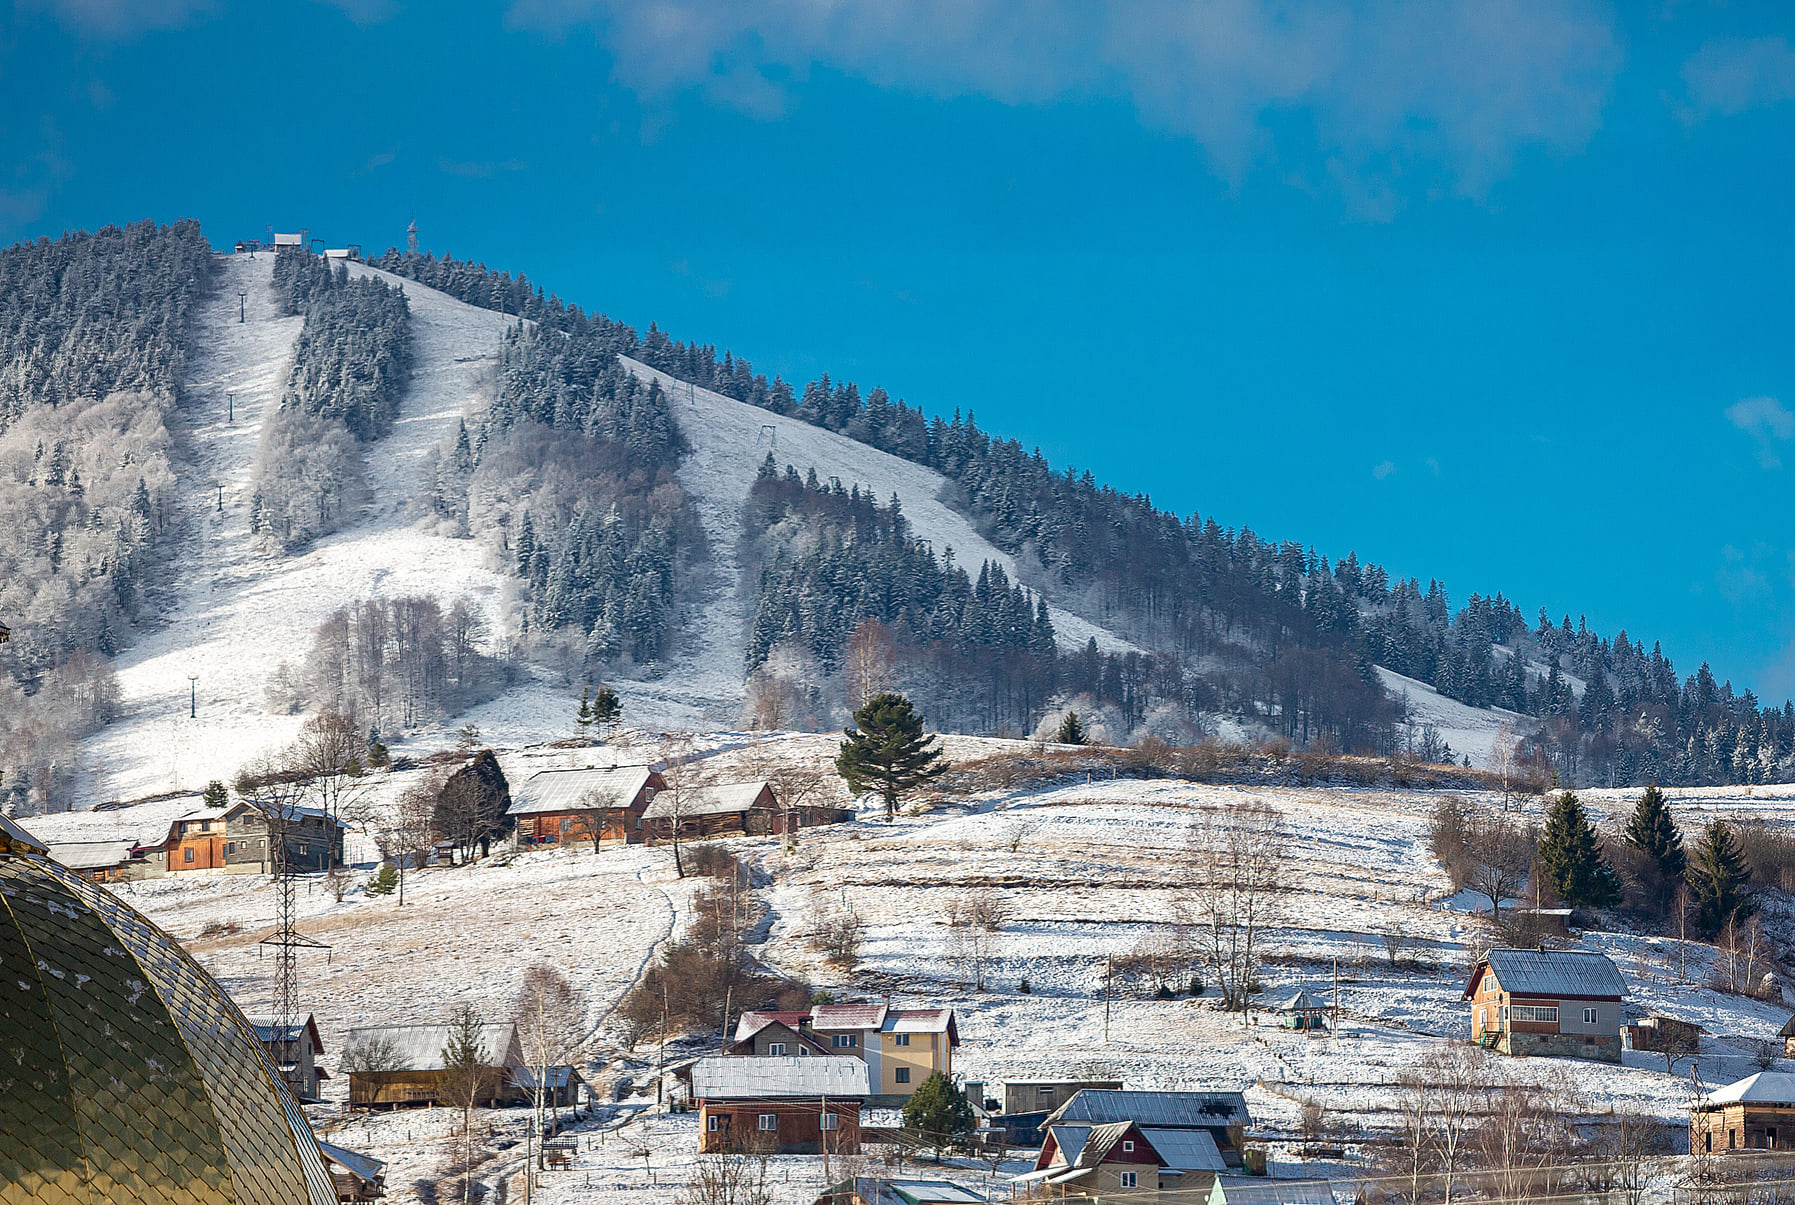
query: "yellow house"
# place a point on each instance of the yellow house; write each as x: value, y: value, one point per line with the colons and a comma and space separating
x: 901, y: 1047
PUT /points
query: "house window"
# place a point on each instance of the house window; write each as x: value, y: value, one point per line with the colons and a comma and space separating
x: 1729, y: 1140
x: 1536, y: 1012
x: 1770, y: 1137
x: 903, y: 1075
x: 1128, y: 1144
x: 717, y: 1121
x: 1589, y: 1016
x: 303, y: 849
x: 567, y: 824
x: 1708, y: 1141
x: 1128, y: 1180
x: 1488, y: 985
x: 844, y: 1041
x: 831, y: 1121
x: 188, y: 855
x: 769, y: 1123
x: 776, y: 1049
x: 900, y: 1039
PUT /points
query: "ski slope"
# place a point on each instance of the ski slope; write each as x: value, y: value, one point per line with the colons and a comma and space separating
x: 1469, y: 730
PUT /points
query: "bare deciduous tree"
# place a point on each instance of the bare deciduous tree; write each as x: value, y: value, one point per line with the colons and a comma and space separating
x: 974, y: 919
x: 870, y: 662
x: 1500, y: 853
x: 550, y: 1013
x: 330, y: 752
x: 410, y: 828
x: 1236, y: 857
x: 836, y: 931
x: 682, y: 770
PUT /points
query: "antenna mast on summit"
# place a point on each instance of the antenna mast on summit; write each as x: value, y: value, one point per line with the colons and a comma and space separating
x: 411, y: 234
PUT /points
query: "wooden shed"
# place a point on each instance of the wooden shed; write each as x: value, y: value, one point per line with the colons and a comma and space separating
x: 595, y: 804
x: 407, y: 1065
x: 1756, y: 1113
x: 742, y: 808
x: 790, y: 1105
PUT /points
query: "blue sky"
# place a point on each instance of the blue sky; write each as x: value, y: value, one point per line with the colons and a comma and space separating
x: 1492, y: 292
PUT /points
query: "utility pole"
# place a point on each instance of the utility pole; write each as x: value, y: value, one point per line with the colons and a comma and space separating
x: 1335, y: 1028
x: 1109, y: 969
x: 242, y: 304
x: 230, y: 406
x: 193, y: 696
x: 220, y: 488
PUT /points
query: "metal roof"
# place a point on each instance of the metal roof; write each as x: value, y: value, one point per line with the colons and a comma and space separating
x: 879, y: 1191
x: 1185, y: 1150
x: 264, y: 1027
x: 92, y: 855
x: 579, y: 790
x: 1302, y: 1002
x: 848, y: 1016
x: 1069, y: 1140
x: 1177, y: 1110
x: 17, y: 840
x: 1259, y: 1190
x: 705, y: 801
x: 557, y: 1077
x: 363, y: 1166
x: 750, y: 1077
x: 1575, y: 974
x: 918, y: 1020
x: 1764, y: 1088
x: 751, y: 1023
x: 420, y: 1047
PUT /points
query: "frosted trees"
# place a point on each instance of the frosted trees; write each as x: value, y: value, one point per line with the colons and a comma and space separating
x: 550, y: 1013
x: 1235, y: 859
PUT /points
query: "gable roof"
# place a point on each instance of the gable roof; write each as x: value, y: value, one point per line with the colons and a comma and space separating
x: 1172, y: 1110
x: 420, y: 1047
x: 1575, y: 974
x: 750, y: 1077
x: 14, y: 839
x: 587, y: 790
x: 1300, y: 1003
x: 1764, y: 1088
x: 264, y: 1027
x: 751, y: 1023
x: 1101, y: 1141
x: 1788, y: 1029
x: 922, y: 1020
x: 362, y: 1166
x: 880, y: 1191
x: 92, y: 855
x: 1185, y: 1150
x: 705, y: 801
x: 848, y: 1016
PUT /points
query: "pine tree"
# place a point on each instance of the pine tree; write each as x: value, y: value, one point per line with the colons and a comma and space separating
x: 607, y: 708
x: 216, y: 795
x: 584, y: 716
x: 1071, y: 730
x: 939, y: 1113
x: 1570, y: 857
x: 1653, y: 832
x: 887, y: 752
x: 1718, y: 879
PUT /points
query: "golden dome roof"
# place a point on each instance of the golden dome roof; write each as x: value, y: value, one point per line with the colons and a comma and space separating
x: 126, y: 1073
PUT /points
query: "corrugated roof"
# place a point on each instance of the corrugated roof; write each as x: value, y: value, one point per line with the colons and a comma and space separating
x: 1102, y: 1141
x: 1185, y: 1150
x: 1302, y: 1002
x: 705, y: 801
x: 1172, y: 1109
x: 1069, y: 1140
x: 880, y: 1191
x: 1764, y: 1088
x: 1576, y: 974
x: 92, y: 855
x: 1258, y: 1190
x: 918, y: 1020
x: 555, y: 1079
x: 578, y: 790
x: 17, y: 839
x: 848, y: 1016
x: 365, y: 1166
x: 420, y: 1047
x: 751, y: 1077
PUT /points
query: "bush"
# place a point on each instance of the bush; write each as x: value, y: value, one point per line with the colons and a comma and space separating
x: 1023, y: 987
x: 1197, y: 986
x: 384, y: 881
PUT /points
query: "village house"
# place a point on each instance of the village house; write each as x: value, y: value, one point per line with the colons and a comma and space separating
x: 1787, y: 1034
x: 1262, y: 1190
x: 788, y: 1105
x: 195, y: 842
x: 569, y: 807
x: 1563, y: 1003
x: 408, y: 1064
x: 563, y: 1087
x: 294, y: 1051
x: 1755, y: 1114
x: 748, y: 809
x: 880, y: 1190
x: 1104, y: 1141
x: 314, y: 840
x: 101, y: 861
x: 901, y: 1047
x: 357, y: 1177
x: 1046, y: 1095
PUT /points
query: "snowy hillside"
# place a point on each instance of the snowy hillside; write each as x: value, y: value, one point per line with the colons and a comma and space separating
x: 1469, y: 730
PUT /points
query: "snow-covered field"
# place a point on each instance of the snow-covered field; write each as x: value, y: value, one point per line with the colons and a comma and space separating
x: 1088, y: 872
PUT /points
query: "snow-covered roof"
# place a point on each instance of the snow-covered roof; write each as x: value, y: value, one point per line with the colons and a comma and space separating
x: 1302, y: 1002
x: 420, y: 1047
x: 705, y: 801
x: 1185, y: 1150
x: 92, y: 855
x: 754, y: 1077
x: 1573, y: 974
x: 918, y: 1020
x: 1259, y: 1190
x: 751, y: 1023
x: 363, y: 1166
x: 265, y: 1027
x: 554, y: 1079
x: 1177, y: 1110
x: 848, y: 1016
x: 1764, y: 1088
x: 579, y: 790
x: 880, y: 1191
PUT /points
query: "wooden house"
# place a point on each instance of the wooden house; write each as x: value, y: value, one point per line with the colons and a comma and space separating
x: 357, y: 1176
x: 410, y: 1065
x: 1104, y: 1142
x: 1787, y: 1034
x: 295, y: 1052
x: 1755, y: 1114
x: 195, y: 842
x: 775, y: 1035
x: 562, y: 1085
x: 1046, y: 1095
x: 101, y: 861
x: 747, y: 809
x: 1564, y: 1003
x: 560, y: 807
x: 789, y: 1105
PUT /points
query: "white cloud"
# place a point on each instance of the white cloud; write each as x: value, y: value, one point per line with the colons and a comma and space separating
x: 1384, y: 470
x: 1768, y: 424
x: 1730, y: 75
x: 1387, y: 92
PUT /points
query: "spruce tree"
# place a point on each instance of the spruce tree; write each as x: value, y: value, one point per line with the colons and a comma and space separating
x: 1653, y: 832
x: 584, y: 716
x: 1717, y: 880
x: 1570, y: 857
x: 607, y: 708
x: 1071, y: 730
x: 939, y: 1113
x: 887, y: 752
x: 216, y: 795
